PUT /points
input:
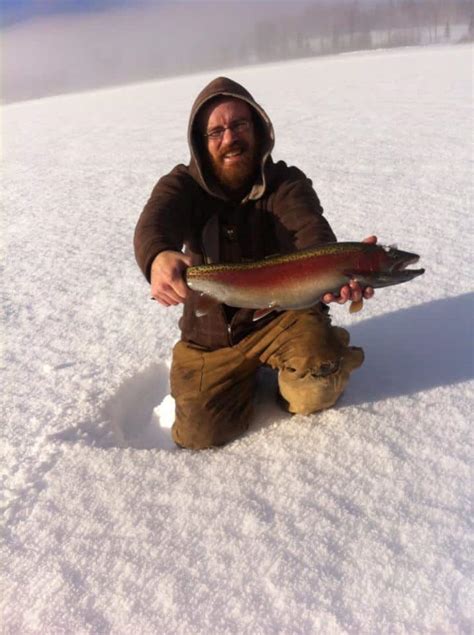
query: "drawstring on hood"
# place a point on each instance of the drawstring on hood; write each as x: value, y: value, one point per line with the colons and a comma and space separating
x: 224, y: 87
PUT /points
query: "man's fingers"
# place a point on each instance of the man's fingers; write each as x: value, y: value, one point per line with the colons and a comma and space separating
x: 171, y: 291
x: 344, y: 294
x: 352, y: 291
x: 164, y: 300
x: 167, y: 277
x: 166, y: 295
x: 370, y: 239
x: 160, y: 299
x: 356, y: 291
x: 179, y: 287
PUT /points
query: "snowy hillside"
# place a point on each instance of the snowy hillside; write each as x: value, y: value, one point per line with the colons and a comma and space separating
x: 355, y: 520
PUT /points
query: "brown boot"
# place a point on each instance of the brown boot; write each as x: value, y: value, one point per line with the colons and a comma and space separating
x: 314, y: 363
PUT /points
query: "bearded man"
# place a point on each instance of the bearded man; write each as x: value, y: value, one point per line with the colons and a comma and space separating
x: 233, y: 203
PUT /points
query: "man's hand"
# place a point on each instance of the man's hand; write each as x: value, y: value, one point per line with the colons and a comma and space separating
x: 352, y: 291
x: 167, y: 282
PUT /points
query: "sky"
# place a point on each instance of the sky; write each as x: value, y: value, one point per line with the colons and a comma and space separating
x: 126, y: 41
x: 18, y: 10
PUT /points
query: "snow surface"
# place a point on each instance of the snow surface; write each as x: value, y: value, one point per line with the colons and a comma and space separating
x: 355, y: 520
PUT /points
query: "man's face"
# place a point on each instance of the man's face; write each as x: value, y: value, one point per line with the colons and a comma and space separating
x: 233, y: 153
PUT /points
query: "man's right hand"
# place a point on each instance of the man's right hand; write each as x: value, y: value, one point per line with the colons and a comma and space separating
x: 167, y: 281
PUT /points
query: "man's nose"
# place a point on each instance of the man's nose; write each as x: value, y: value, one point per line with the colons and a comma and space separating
x: 233, y: 134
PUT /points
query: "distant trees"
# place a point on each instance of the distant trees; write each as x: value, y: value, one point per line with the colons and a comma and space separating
x: 333, y: 26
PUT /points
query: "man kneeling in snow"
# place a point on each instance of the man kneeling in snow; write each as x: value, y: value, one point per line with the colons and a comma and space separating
x: 233, y: 203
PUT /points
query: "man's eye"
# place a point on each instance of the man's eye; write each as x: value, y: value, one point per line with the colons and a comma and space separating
x: 216, y: 133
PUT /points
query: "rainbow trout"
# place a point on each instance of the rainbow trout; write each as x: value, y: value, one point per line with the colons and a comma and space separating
x: 300, y: 279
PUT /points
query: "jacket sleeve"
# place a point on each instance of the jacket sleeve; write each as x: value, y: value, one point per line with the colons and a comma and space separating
x: 165, y: 219
x: 299, y: 222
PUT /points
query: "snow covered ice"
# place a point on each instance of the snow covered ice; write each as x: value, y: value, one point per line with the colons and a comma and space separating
x: 354, y: 520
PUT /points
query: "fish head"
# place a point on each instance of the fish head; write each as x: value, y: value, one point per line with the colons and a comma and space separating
x: 388, y: 266
x: 397, y: 262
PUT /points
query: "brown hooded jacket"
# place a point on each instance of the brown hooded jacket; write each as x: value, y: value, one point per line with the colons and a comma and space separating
x: 280, y: 214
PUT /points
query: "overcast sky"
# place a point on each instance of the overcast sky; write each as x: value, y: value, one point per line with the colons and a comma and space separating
x: 58, y: 46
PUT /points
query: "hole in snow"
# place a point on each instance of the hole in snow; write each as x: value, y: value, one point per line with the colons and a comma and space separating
x: 142, y: 411
x: 139, y: 415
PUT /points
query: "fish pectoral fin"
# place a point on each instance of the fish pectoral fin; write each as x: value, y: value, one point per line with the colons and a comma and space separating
x: 261, y: 313
x: 356, y: 306
x: 362, y: 279
x: 204, y: 304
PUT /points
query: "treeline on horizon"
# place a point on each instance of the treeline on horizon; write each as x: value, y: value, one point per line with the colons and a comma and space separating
x: 348, y: 25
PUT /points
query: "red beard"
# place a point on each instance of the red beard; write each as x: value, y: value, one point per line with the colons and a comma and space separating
x: 236, y: 174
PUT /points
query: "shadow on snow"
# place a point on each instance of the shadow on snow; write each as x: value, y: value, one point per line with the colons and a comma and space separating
x: 413, y: 350
x: 407, y: 351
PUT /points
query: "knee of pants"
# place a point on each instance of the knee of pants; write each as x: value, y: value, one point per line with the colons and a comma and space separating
x: 203, y: 424
x: 213, y: 393
x: 311, y: 342
x: 310, y: 392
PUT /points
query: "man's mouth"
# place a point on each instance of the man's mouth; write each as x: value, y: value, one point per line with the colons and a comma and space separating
x: 233, y: 155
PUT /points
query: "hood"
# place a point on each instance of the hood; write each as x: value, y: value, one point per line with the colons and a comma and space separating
x: 222, y: 86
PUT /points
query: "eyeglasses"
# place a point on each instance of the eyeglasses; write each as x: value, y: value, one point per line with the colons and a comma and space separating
x: 237, y: 127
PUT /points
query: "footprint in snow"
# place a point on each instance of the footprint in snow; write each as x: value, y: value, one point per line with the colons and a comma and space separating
x: 141, y: 412
x: 139, y: 415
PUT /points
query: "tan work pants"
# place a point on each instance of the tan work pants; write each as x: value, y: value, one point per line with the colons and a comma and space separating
x: 214, y: 390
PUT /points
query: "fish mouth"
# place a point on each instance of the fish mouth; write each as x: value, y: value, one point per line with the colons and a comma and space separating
x: 399, y: 268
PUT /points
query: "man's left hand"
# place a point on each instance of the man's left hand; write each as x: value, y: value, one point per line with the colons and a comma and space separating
x: 352, y: 291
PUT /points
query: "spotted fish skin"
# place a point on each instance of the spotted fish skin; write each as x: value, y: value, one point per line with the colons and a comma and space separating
x: 299, y: 280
